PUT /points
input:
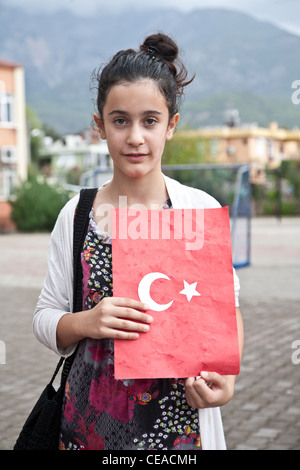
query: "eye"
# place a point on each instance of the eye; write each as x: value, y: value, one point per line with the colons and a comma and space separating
x: 120, y: 122
x: 150, y: 121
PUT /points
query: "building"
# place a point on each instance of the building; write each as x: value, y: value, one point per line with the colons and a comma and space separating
x: 260, y: 147
x: 13, y: 135
x: 75, y: 153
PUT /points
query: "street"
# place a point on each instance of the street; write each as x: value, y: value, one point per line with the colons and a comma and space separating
x: 265, y: 411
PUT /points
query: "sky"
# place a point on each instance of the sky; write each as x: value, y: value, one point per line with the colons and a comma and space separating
x: 284, y: 13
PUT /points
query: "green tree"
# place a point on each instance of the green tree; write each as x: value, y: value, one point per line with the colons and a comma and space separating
x: 35, y: 134
x: 184, y: 149
x: 290, y: 170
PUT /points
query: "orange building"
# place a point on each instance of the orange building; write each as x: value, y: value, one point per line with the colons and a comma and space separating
x: 13, y: 135
x: 260, y: 147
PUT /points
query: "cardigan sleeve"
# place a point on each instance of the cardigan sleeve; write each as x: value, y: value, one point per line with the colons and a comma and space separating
x: 236, y: 283
x: 56, y: 297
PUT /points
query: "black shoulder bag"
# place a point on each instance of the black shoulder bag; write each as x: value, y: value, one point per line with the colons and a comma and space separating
x: 41, y: 429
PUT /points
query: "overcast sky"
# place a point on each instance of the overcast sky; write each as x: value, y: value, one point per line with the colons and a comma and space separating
x: 285, y: 13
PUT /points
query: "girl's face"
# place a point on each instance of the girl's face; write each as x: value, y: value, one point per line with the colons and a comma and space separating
x: 136, y: 125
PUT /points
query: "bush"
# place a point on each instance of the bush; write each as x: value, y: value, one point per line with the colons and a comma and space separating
x: 287, y: 208
x: 37, y: 205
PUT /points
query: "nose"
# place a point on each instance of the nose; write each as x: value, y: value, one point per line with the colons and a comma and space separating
x: 135, y: 135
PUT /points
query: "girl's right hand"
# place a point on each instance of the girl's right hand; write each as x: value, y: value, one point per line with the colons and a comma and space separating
x: 114, y: 317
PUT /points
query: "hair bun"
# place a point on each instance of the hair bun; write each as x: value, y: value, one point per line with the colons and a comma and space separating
x: 161, y: 45
x: 164, y: 48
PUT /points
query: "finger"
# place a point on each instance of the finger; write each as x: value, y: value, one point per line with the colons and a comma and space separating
x: 133, y: 310
x: 125, y: 308
x: 118, y: 334
x: 193, y: 395
x: 130, y: 315
x: 210, y: 387
x: 213, y: 378
x: 127, y: 325
x: 188, y: 382
x: 134, y: 315
x: 135, y: 304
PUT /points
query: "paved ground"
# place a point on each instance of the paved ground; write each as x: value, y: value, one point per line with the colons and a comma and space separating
x: 265, y: 411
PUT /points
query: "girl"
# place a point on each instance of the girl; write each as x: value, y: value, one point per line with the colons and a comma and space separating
x: 138, y: 97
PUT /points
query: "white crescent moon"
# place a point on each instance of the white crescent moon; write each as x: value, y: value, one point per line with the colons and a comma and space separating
x: 144, y: 292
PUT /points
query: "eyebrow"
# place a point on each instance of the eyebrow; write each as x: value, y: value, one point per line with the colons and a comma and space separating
x: 125, y: 113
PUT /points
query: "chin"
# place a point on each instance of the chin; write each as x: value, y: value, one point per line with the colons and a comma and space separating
x: 138, y: 171
x: 137, y: 174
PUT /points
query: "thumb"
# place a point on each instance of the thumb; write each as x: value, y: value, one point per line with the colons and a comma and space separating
x: 212, y: 378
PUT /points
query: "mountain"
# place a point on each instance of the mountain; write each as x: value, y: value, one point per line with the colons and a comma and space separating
x: 238, y: 60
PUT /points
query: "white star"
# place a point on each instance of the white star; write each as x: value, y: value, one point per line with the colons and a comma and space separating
x: 189, y: 290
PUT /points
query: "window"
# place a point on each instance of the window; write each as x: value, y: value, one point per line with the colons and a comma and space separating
x: 214, y: 147
x: 8, y: 155
x: 6, y: 107
x: 271, y: 148
x: 9, y: 182
x: 261, y: 147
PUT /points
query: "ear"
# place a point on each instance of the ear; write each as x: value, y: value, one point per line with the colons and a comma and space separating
x: 172, y: 126
x: 100, y: 126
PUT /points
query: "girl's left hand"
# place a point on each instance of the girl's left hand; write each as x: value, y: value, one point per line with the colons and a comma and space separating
x: 210, y: 390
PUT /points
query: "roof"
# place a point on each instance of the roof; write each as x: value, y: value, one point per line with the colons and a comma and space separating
x: 9, y: 63
x: 271, y: 132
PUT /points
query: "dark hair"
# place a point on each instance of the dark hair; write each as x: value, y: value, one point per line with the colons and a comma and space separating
x: 157, y: 59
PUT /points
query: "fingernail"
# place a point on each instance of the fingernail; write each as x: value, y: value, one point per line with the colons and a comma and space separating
x: 204, y: 375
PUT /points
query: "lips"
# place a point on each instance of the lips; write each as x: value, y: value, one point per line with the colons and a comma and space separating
x: 135, y: 156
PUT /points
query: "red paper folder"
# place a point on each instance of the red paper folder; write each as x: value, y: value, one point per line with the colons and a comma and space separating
x: 180, y: 264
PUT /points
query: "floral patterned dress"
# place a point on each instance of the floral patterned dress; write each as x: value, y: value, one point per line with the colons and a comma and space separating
x: 102, y: 413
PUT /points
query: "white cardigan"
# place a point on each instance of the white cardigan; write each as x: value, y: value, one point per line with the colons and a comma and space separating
x: 56, y: 297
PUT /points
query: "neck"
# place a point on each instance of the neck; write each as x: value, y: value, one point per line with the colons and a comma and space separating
x: 147, y: 190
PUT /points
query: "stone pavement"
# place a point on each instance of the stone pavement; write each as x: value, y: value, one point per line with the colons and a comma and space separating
x: 265, y: 411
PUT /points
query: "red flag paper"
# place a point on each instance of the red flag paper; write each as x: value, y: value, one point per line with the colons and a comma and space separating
x: 179, y: 262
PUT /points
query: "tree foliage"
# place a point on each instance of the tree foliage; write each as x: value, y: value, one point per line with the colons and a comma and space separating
x: 37, y: 205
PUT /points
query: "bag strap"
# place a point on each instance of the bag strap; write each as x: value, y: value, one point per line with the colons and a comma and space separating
x: 60, y: 363
x: 81, y: 221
